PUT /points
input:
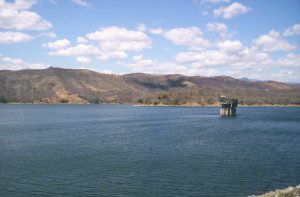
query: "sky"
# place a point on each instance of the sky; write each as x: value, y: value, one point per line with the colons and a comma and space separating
x: 257, y: 39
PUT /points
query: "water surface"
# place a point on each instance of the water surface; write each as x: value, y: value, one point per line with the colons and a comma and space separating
x: 121, y: 150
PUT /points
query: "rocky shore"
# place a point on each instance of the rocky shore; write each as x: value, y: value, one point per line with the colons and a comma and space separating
x: 288, y: 192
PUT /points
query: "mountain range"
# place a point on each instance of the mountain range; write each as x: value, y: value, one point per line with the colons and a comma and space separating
x: 57, y: 85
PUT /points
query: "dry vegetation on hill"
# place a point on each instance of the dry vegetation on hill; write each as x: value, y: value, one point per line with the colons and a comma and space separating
x: 56, y: 85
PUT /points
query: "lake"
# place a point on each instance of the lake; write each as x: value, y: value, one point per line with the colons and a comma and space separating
x: 123, y: 150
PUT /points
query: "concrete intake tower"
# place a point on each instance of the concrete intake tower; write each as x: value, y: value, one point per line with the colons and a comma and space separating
x: 228, y: 106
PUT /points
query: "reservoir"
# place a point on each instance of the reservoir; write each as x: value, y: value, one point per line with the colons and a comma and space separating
x: 123, y: 150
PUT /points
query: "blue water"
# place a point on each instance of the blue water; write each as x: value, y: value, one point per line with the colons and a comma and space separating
x: 121, y: 150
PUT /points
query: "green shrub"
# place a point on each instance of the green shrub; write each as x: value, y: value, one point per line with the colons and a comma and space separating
x: 141, y: 101
x: 163, y: 96
x: 3, y: 99
x: 97, y: 101
x: 64, y: 101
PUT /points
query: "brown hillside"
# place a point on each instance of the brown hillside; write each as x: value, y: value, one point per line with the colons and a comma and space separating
x: 56, y: 85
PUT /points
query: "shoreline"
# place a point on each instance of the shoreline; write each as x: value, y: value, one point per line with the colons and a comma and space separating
x: 267, y: 105
x: 290, y: 191
x: 151, y: 105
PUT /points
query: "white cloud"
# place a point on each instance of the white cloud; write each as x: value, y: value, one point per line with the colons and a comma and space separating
x: 229, y: 57
x: 156, y: 67
x: 83, y: 60
x: 204, y: 13
x: 218, y: 27
x: 106, y: 71
x: 137, y: 57
x: 48, y: 34
x: 286, y: 75
x: 231, y: 10
x: 59, y: 44
x: 246, y: 63
x: 230, y: 53
x: 230, y: 46
x: 191, y: 37
x: 156, y: 31
x: 212, y: 1
x: 291, y: 60
x: 14, y: 37
x: 84, y: 50
x: 141, y: 27
x: 221, y: 28
x: 8, y: 63
x: 273, y: 42
x: 295, y: 30
x: 17, y: 16
x: 78, y: 50
x: 120, y: 39
x: 205, y: 58
x: 81, y: 40
x: 82, y: 3
x: 18, y: 4
x: 112, y: 55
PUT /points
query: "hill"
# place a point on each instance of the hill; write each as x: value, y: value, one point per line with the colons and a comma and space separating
x: 57, y: 85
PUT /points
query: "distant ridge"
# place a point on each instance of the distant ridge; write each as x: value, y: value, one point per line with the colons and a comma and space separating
x: 247, y: 79
x: 57, y: 85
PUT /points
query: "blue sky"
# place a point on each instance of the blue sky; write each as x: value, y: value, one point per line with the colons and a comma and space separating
x: 255, y: 39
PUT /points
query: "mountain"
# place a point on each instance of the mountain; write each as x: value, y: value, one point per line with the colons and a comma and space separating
x: 57, y: 85
x: 247, y: 79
